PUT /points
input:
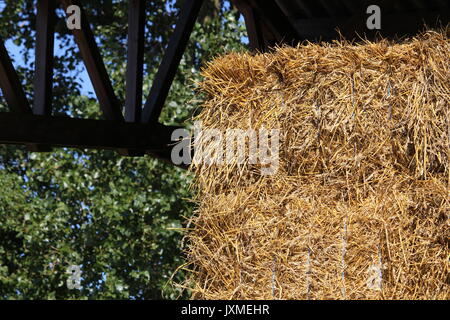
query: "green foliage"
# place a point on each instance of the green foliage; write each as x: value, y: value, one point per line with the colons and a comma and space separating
x: 118, y: 218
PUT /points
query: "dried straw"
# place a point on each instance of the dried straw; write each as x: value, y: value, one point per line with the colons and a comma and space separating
x: 359, y: 208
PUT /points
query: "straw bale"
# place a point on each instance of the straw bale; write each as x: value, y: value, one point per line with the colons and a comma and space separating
x: 359, y: 206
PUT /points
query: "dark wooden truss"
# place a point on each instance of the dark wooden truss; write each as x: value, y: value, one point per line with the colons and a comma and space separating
x: 136, y: 132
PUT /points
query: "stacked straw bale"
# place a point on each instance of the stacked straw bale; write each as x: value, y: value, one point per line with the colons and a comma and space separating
x: 359, y: 207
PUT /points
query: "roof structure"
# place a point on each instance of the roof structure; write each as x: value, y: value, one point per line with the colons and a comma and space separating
x: 134, y: 132
x: 274, y: 22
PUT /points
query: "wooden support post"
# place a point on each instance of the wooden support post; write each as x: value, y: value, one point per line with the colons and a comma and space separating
x: 135, y: 65
x: 43, y: 80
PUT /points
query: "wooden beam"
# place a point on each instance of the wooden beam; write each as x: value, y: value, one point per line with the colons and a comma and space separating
x: 253, y: 25
x: 83, y: 133
x: 135, y: 65
x: 171, y: 60
x: 43, y: 80
x: 10, y: 84
x: 96, y: 68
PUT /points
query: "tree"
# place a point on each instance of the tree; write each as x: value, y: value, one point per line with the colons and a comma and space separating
x: 119, y: 219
